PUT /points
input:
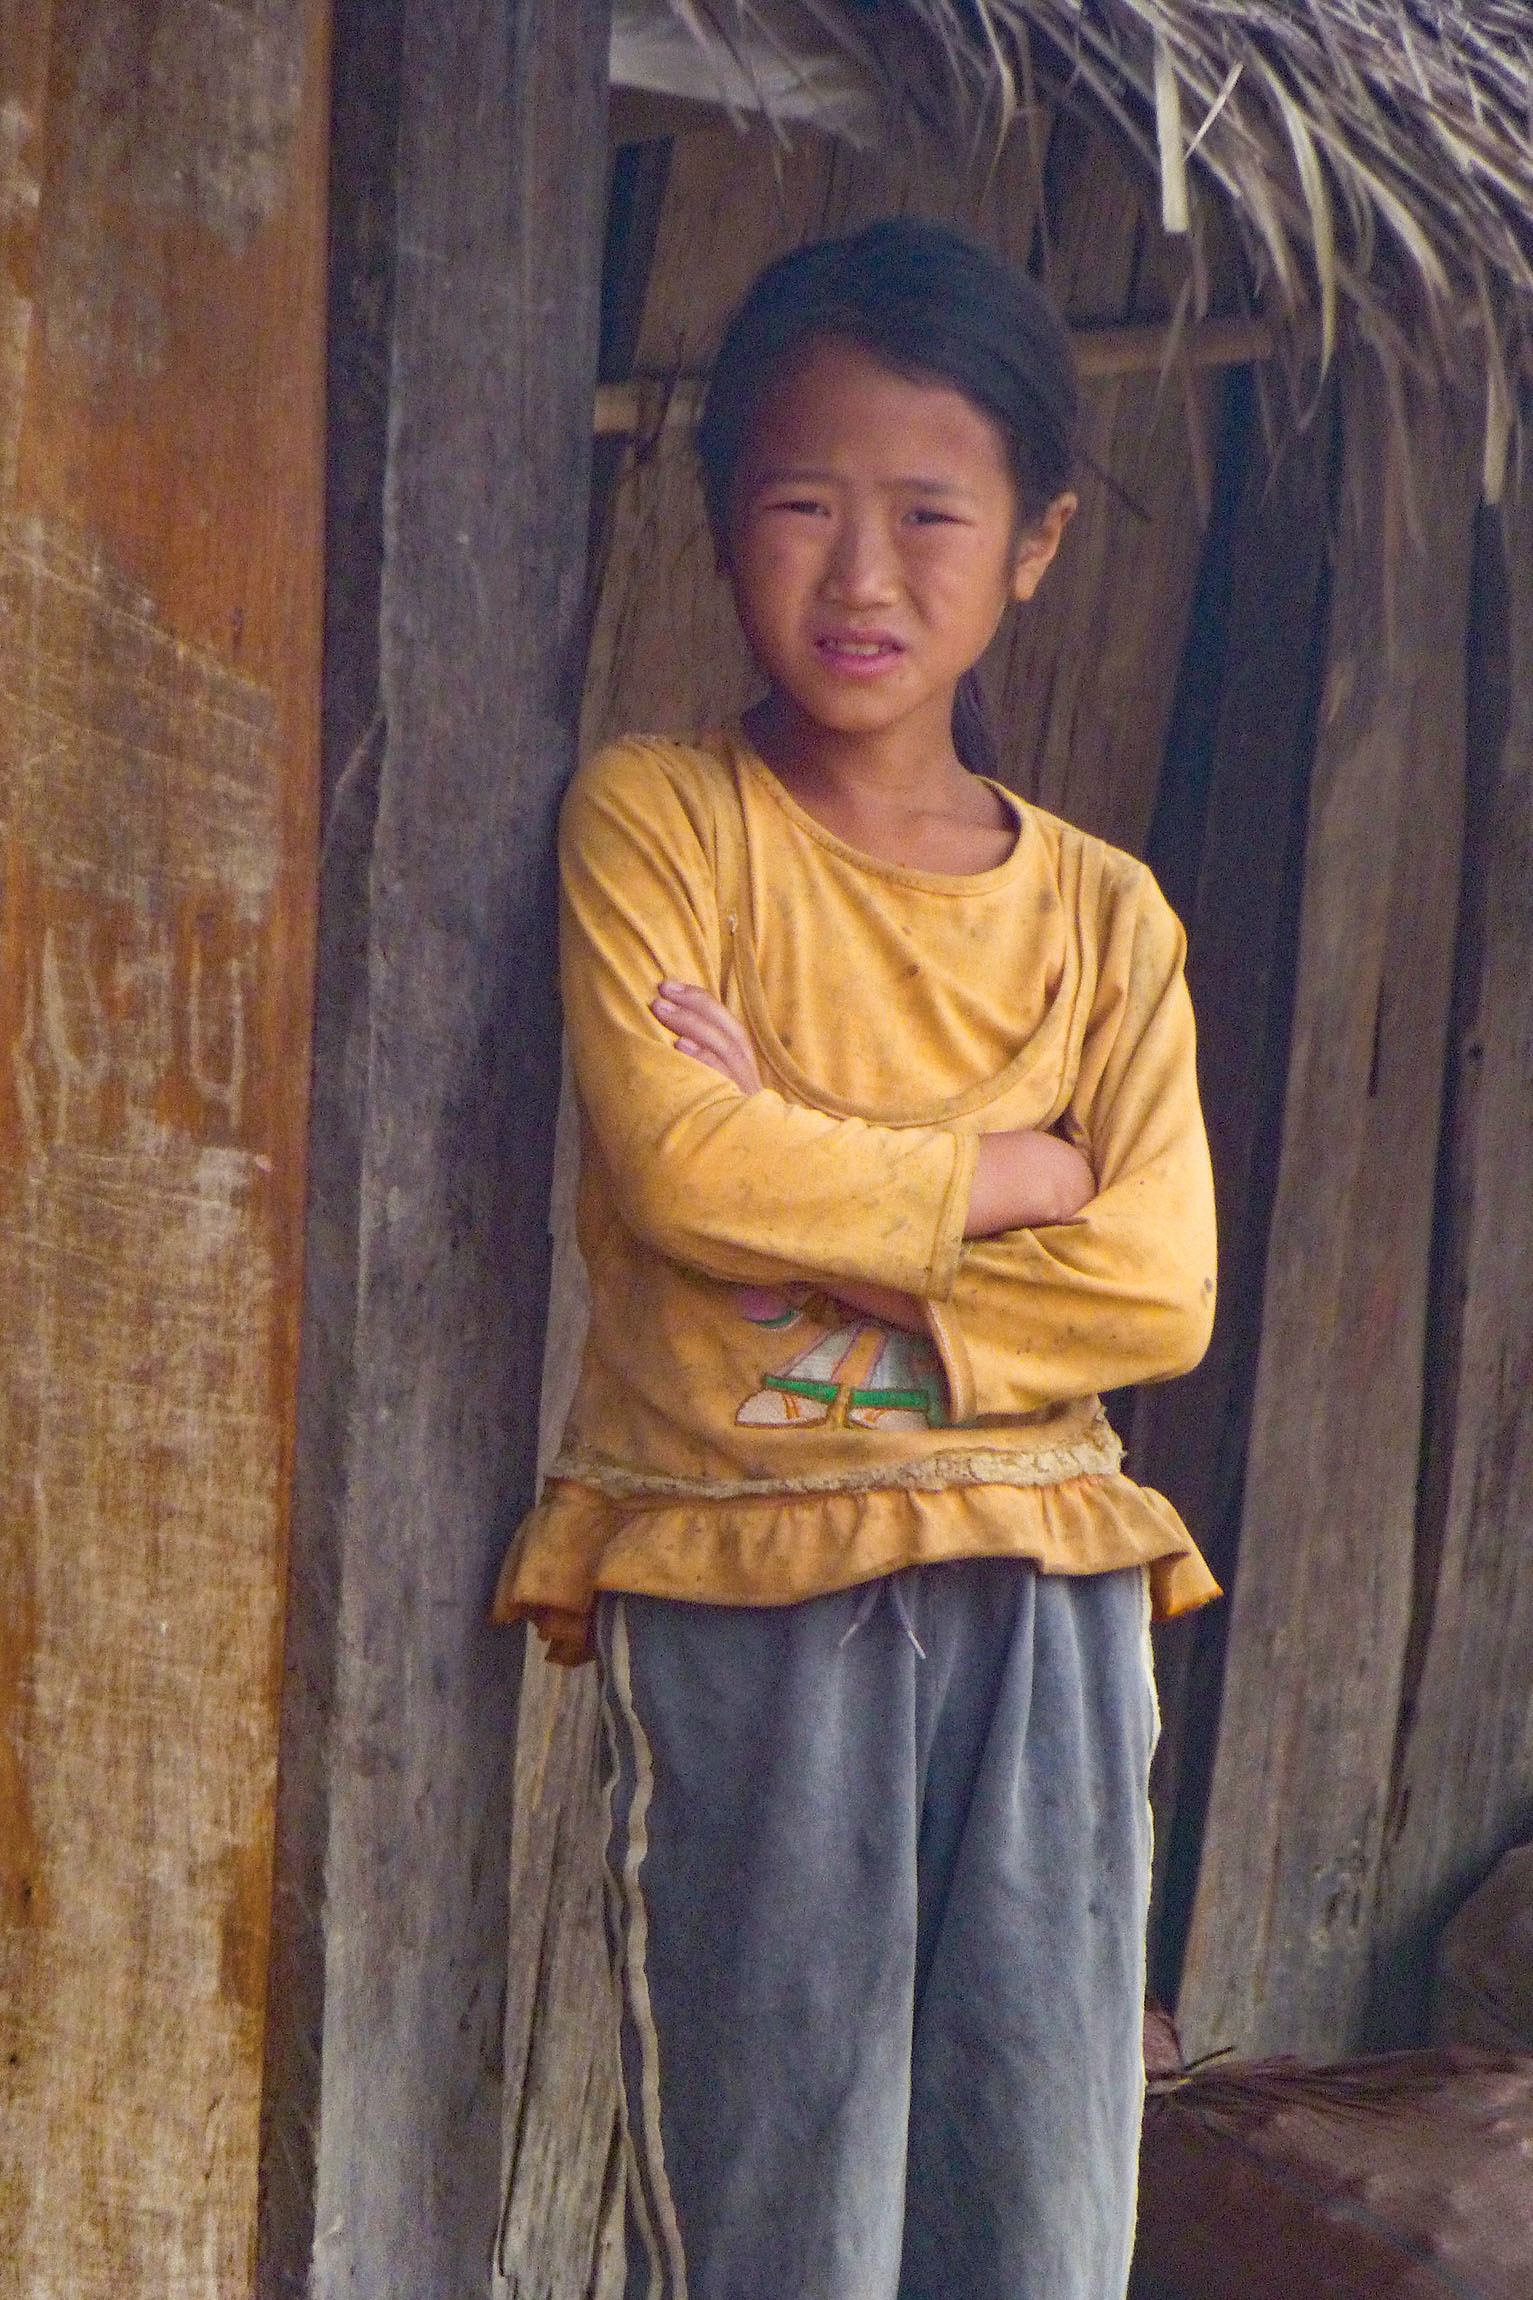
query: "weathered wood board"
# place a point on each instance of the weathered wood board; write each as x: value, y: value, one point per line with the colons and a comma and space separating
x: 1462, y: 1789
x: 1228, y: 844
x: 493, y: 363
x: 162, y: 189
x: 364, y: 140
x: 1278, y: 1955
x: 561, y: 2219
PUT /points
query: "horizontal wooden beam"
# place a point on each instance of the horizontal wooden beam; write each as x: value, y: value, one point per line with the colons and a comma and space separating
x: 647, y: 404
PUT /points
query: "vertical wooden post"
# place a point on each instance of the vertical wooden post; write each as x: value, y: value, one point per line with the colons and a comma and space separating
x: 161, y: 439
x: 501, y: 172
x: 1228, y: 845
x: 1281, y: 1927
x: 1463, y: 1785
x: 364, y: 141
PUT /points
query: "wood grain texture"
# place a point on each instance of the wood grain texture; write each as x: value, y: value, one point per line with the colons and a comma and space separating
x: 161, y: 357
x: 1281, y: 1931
x: 1227, y: 844
x: 502, y: 156
x: 560, y: 2235
x: 364, y: 138
x: 1462, y: 1791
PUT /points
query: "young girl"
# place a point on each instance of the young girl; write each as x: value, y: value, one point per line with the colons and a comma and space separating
x: 892, y: 1161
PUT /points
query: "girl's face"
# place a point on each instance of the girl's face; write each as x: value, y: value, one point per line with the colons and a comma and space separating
x: 874, y: 542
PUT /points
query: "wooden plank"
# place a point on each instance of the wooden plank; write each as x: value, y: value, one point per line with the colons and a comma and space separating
x: 162, y: 178
x: 561, y: 2218
x: 1463, y: 1777
x: 635, y: 200
x: 1281, y: 1933
x: 364, y: 139
x: 502, y: 154
x: 1228, y: 846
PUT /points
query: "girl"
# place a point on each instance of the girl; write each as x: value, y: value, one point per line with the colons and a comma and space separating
x: 892, y: 1160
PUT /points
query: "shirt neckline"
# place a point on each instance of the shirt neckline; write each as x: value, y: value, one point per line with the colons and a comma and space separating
x: 901, y: 874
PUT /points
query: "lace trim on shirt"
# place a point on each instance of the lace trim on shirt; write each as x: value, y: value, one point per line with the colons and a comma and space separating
x: 1100, y: 1454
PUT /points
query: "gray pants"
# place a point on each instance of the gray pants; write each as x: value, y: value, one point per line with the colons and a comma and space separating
x: 877, y: 1882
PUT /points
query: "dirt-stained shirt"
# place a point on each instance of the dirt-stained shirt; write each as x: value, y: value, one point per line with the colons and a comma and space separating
x: 740, y: 1436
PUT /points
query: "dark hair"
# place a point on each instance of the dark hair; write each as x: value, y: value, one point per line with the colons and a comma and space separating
x: 926, y: 302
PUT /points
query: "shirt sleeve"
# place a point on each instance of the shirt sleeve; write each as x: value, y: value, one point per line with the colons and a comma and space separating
x: 747, y: 1188
x: 1125, y: 1292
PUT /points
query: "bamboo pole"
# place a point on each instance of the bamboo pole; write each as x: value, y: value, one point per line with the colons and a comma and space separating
x: 645, y: 405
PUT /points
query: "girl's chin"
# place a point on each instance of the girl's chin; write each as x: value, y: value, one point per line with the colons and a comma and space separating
x: 825, y: 691
x: 859, y: 710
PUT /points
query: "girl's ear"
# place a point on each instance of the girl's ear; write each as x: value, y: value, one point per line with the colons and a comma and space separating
x: 1036, y: 551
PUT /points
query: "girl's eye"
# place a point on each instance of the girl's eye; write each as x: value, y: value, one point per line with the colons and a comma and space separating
x: 800, y: 503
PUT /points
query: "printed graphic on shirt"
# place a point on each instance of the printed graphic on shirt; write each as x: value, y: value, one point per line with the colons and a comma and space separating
x: 846, y: 1370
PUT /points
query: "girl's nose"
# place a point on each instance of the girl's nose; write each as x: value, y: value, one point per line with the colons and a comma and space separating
x: 861, y: 570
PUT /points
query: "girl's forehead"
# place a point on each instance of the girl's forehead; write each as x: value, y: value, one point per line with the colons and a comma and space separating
x: 836, y: 406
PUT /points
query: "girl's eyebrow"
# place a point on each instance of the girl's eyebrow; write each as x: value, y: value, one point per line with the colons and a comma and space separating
x: 790, y: 475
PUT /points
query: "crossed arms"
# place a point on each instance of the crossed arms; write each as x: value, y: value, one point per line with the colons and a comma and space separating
x: 1043, y: 1270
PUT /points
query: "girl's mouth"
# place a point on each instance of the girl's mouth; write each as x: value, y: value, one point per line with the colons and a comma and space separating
x: 858, y: 658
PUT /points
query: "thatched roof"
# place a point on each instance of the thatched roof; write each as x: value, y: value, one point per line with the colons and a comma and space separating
x: 1376, y: 155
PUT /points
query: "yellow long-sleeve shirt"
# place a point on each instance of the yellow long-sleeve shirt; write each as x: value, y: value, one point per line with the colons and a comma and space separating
x: 737, y: 1435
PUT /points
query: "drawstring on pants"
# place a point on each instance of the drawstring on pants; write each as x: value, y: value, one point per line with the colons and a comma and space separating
x: 892, y: 1586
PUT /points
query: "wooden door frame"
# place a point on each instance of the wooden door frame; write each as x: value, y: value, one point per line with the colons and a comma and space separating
x: 466, y: 263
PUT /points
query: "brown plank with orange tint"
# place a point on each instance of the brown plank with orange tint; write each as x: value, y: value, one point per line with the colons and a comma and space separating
x: 161, y: 337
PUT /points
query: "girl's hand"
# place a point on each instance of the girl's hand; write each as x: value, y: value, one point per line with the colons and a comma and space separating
x: 880, y: 1302
x: 708, y: 1032
x: 1026, y: 1181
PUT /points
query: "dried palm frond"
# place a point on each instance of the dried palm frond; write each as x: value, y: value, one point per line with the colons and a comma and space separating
x: 1251, y: 2090
x: 1376, y: 154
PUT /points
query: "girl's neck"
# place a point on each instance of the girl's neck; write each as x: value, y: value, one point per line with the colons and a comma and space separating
x: 901, y: 794
x: 910, y: 766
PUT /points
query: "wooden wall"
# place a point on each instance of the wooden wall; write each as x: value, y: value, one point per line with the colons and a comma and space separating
x: 162, y: 185
x: 466, y: 257
x: 1301, y: 684
x: 1296, y: 676
x: 1281, y: 1932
